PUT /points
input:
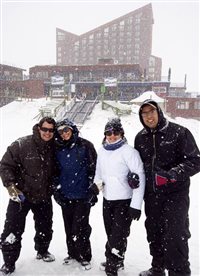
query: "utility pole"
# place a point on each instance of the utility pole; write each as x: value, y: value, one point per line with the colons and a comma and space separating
x: 102, y: 90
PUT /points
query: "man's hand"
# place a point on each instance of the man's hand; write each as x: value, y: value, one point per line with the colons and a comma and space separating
x: 163, y: 177
x: 15, y: 194
x: 134, y: 213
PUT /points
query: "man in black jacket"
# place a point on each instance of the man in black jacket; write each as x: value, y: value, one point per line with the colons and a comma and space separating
x: 170, y: 157
x: 26, y: 170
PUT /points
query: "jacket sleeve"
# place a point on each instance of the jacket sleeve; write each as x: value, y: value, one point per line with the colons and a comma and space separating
x: 91, y: 160
x: 135, y: 165
x: 189, y: 164
x: 10, y: 164
x: 98, y: 175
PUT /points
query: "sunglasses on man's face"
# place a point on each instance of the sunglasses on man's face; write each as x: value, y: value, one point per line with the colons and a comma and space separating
x: 65, y: 129
x: 110, y: 132
x: 45, y: 129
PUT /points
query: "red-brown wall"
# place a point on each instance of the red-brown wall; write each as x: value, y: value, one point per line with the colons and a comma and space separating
x: 191, y: 112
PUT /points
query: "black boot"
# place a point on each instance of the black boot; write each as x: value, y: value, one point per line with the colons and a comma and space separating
x: 173, y: 273
x: 152, y: 272
x: 111, y: 274
x: 46, y: 257
x: 7, y: 269
x: 120, y: 266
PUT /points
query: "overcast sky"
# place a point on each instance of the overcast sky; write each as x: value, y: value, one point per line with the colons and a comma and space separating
x: 28, y: 31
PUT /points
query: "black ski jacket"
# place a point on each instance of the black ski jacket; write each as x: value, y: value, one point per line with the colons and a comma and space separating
x: 29, y: 163
x: 168, y: 146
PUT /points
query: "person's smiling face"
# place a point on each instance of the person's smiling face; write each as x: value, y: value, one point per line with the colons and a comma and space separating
x: 112, y: 136
x: 150, y: 116
x: 65, y: 133
x: 46, y: 131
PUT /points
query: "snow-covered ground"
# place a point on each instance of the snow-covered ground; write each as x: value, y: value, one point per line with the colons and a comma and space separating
x: 16, y: 120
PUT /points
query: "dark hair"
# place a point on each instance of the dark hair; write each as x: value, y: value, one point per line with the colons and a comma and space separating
x: 47, y: 119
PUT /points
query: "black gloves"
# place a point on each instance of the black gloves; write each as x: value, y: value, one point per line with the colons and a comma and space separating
x: 93, y: 192
x: 93, y: 199
x: 134, y: 213
x: 163, y: 177
x: 133, y: 180
x: 94, y: 189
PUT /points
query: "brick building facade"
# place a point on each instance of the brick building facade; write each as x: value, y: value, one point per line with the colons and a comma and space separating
x: 126, y: 40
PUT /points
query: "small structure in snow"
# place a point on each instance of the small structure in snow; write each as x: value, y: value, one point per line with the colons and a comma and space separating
x: 149, y: 95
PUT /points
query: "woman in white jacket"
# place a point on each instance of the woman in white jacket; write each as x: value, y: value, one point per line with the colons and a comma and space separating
x: 121, y: 201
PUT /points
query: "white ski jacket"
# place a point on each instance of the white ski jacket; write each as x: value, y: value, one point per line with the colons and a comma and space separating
x: 112, y: 169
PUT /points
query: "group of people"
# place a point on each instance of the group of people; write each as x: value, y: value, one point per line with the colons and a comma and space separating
x: 56, y: 161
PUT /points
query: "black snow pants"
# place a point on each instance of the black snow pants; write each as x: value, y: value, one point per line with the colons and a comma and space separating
x: 117, y: 224
x: 77, y: 228
x: 15, y: 224
x: 167, y: 226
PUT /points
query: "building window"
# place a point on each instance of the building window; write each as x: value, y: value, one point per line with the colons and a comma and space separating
x: 137, y: 34
x: 182, y: 105
x: 76, y: 45
x: 61, y: 36
x: 137, y: 46
x: 121, y: 26
x: 42, y: 75
x: 130, y: 20
x: 137, y: 52
x: 151, y: 70
x: 91, y: 39
x: 106, y: 32
x: 114, y: 27
x: 152, y: 62
x: 197, y: 105
x: 84, y: 41
x: 137, y: 28
x: 6, y: 73
x: 98, y: 35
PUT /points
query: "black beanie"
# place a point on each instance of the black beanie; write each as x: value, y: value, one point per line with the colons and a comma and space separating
x: 114, y: 124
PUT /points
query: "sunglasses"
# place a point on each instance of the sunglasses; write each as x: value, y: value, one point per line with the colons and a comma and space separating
x: 65, y: 129
x: 110, y: 132
x: 45, y: 129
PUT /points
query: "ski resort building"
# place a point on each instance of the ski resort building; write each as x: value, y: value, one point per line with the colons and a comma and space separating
x: 125, y: 40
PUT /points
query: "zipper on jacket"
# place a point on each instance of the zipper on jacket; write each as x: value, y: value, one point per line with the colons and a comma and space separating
x: 153, y: 160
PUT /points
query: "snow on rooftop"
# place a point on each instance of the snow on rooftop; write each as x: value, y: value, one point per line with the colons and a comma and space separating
x: 148, y: 95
